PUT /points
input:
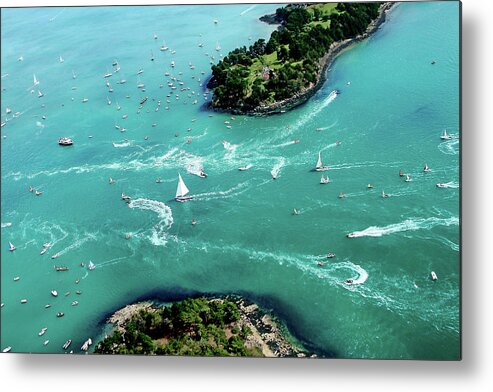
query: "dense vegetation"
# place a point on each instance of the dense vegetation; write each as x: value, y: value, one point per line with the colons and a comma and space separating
x: 271, y: 71
x: 198, y: 327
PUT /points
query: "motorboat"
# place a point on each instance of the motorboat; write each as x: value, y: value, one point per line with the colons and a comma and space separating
x: 60, y: 268
x: 43, y: 251
x: 47, y: 306
x: 67, y: 344
x: 23, y: 301
x: 38, y: 193
x: 202, y: 174
x: 74, y: 303
x: 143, y: 100
x: 111, y: 181
x: 158, y: 180
x: 182, y: 191
x: 243, y: 168
x: 84, y: 100
x: 40, y: 94
x: 65, y: 141
x: 46, y: 342
x: 296, y: 211
x: 433, y: 275
x: 55, y: 255
x: 126, y: 198
x: 46, y: 245
x: 401, y: 173
x: 86, y: 344
x: 445, y: 135
x: 12, y: 247
x: 16, y: 278
x: 60, y: 314
x: 42, y: 332
x: 331, y: 255
x: 342, y: 195
x: 351, y: 235
x: 7, y: 349
x: 54, y: 293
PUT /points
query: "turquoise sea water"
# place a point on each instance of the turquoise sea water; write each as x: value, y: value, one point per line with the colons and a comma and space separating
x: 246, y: 240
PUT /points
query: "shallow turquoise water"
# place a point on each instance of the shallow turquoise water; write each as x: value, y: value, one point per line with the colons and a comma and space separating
x: 246, y: 240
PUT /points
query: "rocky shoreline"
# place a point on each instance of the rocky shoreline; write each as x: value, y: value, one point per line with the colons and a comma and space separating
x: 266, y: 332
x: 324, y: 63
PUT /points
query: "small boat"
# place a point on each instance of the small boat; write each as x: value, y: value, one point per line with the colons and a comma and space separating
x: 86, y: 344
x: 67, y: 343
x: 55, y: 255
x: 426, y: 169
x: 108, y: 101
x: 74, y: 75
x: 401, y: 173
x: 172, y: 64
x: 65, y: 141
x: 158, y: 180
x: 111, y: 181
x: 12, y: 247
x: 369, y: 186
x: 442, y: 185
x: 74, y: 303
x: 140, y: 71
x: 143, y: 100
x: 342, y: 195
x: 78, y: 292
x: 433, y: 275
x: 47, y: 306
x: 23, y: 301
x: 84, y: 100
x: 296, y: 141
x: 445, y: 135
x: 43, y: 251
x: 320, y: 166
x: 60, y: 268
x: 408, y: 179
x: 16, y: 278
x: 54, y: 293
x: 46, y: 342
x: 433, y: 62
x: 7, y: 349
x: 324, y: 180
x: 351, y: 235
x: 91, y: 266
x: 296, y: 211
x: 152, y: 56
x: 331, y: 255
x: 38, y: 193
x: 61, y: 59
x: 107, y: 75
x: 384, y: 195
x: 60, y: 314
x: 243, y: 168
x: 40, y: 94
x: 202, y: 174
x: 182, y: 191
x: 42, y: 332
x: 126, y: 198
x: 46, y: 245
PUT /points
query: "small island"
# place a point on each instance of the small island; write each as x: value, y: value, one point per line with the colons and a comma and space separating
x: 219, y: 326
x: 270, y: 77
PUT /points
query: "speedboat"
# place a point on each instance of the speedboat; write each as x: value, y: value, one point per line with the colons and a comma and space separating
x: 7, y: 349
x: 349, y: 281
x: 433, y: 275
x: 16, y: 278
x: 46, y: 245
x: 42, y: 332
x: 46, y: 342
x: 385, y: 194
x: 351, y: 235
x: 54, y: 293
x: 38, y: 193
x: 65, y: 141
x: 74, y: 303
x: 12, y: 247
x: 126, y: 198
x: 107, y: 75
x: 60, y: 268
x: 55, y: 255
x: 243, y: 168
x: 158, y: 180
x: 43, y: 251
x: 23, y: 301
x: 442, y: 185
x: 143, y: 100
x: 60, y: 314
x: 47, y: 306
x: 84, y: 100
x: 202, y: 174
x: 331, y: 255
x: 67, y: 343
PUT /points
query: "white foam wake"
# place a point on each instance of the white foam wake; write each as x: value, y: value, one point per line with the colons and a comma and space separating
x: 6, y: 224
x: 407, y: 225
x: 277, y: 167
x: 230, y: 148
x: 247, y: 10
x: 165, y: 215
x: 450, y: 147
x: 124, y: 143
x: 325, y: 102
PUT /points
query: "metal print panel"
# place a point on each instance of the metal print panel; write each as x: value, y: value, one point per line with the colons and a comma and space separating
x: 269, y: 180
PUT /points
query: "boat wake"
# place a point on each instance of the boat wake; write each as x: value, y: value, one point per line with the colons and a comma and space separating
x: 6, y: 224
x: 247, y: 10
x: 450, y: 147
x: 322, y: 105
x: 232, y: 192
x: 407, y: 225
x: 450, y: 184
x: 124, y: 143
x: 277, y: 167
x: 165, y: 215
x: 77, y: 244
x: 230, y: 148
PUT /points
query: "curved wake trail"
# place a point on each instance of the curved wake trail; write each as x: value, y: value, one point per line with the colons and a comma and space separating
x: 232, y: 192
x: 407, y: 225
x: 247, y: 10
x: 450, y: 147
x: 325, y: 102
x: 277, y: 167
x: 159, y: 230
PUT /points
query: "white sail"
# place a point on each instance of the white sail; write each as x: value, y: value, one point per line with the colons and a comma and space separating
x: 35, y: 80
x: 445, y: 133
x: 182, y: 189
x: 319, y: 162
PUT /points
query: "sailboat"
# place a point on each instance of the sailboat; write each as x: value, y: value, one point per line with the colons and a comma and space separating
x: 182, y: 191
x: 320, y: 166
x: 163, y: 47
x: 408, y: 179
x: 12, y: 247
x: 61, y: 59
x: 324, y: 180
x: 91, y: 266
x: 445, y: 135
x: 426, y: 169
x: 218, y: 47
x: 152, y: 56
x: 40, y: 94
x: 73, y: 75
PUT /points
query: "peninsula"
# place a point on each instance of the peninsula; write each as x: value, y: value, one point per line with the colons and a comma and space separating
x: 219, y: 326
x: 270, y: 77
